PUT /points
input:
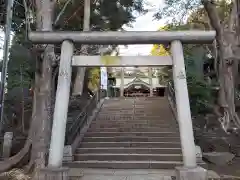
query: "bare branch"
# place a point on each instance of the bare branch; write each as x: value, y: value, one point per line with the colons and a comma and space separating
x: 61, y: 12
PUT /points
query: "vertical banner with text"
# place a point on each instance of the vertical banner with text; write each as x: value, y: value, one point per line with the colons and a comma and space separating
x: 104, y: 78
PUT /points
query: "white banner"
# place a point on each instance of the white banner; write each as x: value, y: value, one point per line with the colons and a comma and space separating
x: 104, y: 78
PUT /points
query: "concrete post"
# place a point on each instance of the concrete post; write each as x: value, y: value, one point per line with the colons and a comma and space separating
x: 122, y: 83
x: 52, y: 173
x: 7, y: 144
x: 150, y: 81
x: 61, y: 106
x: 183, y: 107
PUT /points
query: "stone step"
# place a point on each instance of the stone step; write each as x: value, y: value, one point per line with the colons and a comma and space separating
x: 130, y: 108
x: 119, y: 116
x: 124, y: 119
x: 127, y: 157
x: 153, y: 115
x: 131, y: 125
x: 116, y: 114
x: 130, y: 150
x: 131, y: 144
x: 143, y: 133
x: 131, y: 139
x: 132, y: 122
x: 125, y: 164
x: 131, y: 133
x: 158, y: 116
x: 133, y: 109
x: 140, y: 127
x: 121, y: 174
x: 124, y: 129
x: 134, y: 118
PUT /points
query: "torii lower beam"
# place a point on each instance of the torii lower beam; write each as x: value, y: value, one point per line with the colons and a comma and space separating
x: 121, y: 61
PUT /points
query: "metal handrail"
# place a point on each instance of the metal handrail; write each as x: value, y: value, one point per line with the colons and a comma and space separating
x: 81, y: 118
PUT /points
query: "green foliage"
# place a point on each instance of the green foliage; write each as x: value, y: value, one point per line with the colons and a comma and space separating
x: 199, y: 89
x: 105, y: 15
x: 177, y: 10
x: 94, y: 78
x: 164, y: 75
x: 200, y: 92
x: 21, y: 66
x: 180, y: 11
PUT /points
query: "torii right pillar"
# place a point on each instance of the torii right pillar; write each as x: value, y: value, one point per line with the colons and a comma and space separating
x: 190, y: 170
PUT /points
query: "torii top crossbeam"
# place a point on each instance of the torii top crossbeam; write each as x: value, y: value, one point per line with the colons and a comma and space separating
x: 120, y: 37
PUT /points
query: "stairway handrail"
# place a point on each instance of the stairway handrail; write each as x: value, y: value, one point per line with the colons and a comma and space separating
x: 81, y: 118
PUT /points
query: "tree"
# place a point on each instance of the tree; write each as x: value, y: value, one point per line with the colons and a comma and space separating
x: 106, y: 15
x: 94, y: 79
x: 163, y: 73
x: 223, y: 18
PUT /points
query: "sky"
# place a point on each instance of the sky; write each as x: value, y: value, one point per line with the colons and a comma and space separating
x: 142, y: 23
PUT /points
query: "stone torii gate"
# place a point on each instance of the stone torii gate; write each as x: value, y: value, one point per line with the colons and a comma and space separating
x: 190, y: 170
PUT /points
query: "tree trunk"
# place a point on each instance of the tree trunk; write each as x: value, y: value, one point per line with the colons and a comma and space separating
x: 39, y: 133
x: 23, y: 102
x: 80, y: 84
x: 226, y: 41
x: 43, y: 91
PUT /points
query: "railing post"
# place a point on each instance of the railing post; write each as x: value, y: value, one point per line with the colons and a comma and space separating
x: 61, y: 106
x: 183, y: 106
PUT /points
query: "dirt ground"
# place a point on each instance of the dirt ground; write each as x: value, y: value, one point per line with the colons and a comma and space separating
x: 230, y: 169
x: 216, y: 140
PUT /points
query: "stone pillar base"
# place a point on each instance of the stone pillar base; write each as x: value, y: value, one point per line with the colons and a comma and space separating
x: 198, y: 173
x: 54, y: 174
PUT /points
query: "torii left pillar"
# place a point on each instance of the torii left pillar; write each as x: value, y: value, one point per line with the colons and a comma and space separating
x: 61, y: 106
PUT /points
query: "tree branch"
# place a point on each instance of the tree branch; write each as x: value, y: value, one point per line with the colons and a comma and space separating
x: 61, y: 12
x: 232, y: 18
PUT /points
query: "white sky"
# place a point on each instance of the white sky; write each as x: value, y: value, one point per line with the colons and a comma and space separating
x: 143, y: 23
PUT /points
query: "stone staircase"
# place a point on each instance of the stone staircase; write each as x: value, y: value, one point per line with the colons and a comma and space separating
x: 131, y: 133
